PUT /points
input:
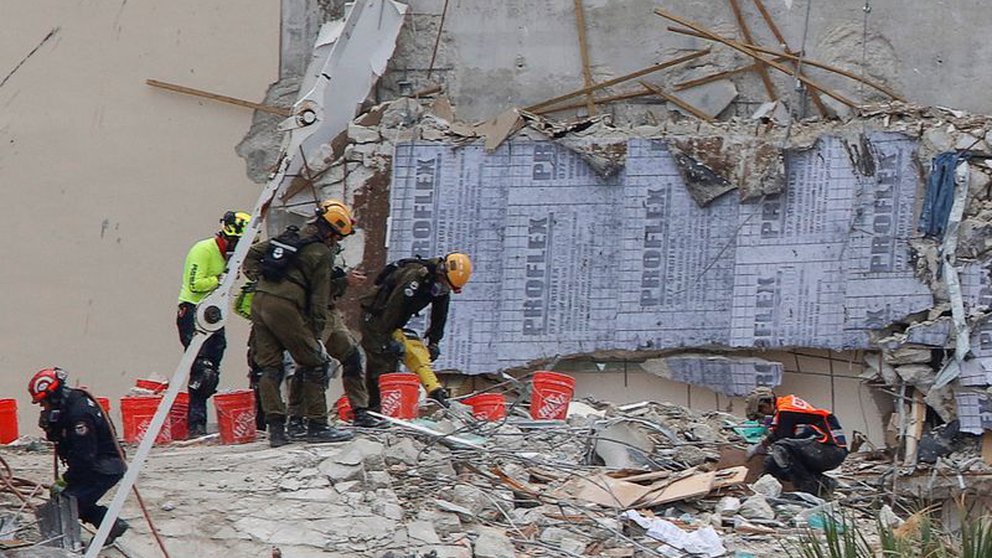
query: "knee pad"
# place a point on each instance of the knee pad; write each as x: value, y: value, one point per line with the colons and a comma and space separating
x: 203, y: 378
x: 315, y: 375
x: 352, y: 364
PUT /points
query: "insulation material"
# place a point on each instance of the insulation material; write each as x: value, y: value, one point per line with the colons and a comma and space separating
x: 821, y: 265
x: 734, y: 377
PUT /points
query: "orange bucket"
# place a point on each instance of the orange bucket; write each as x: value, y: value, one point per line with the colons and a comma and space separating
x: 343, y: 406
x: 550, y: 395
x: 105, y: 405
x: 137, y: 412
x: 154, y: 386
x: 236, y: 416
x: 399, y: 393
x: 179, y: 416
x: 8, y: 421
x: 487, y: 406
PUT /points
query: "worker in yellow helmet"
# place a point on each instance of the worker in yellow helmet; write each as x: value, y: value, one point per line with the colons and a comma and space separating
x: 403, y: 289
x: 206, y: 264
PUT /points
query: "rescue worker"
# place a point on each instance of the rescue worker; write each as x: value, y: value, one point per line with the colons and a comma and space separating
x: 289, y: 313
x: 342, y: 345
x: 206, y: 264
x: 83, y: 441
x: 802, y: 441
x: 403, y: 289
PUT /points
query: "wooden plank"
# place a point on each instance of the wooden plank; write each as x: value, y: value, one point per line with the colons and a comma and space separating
x: 219, y: 98
x: 699, y: 484
x: 709, y: 36
x: 580, y: 23
x: 730, y: 477
x: 753, y: 52
x: 762, y: 68
x: 677, y: 102
x: 642, y: 92
x: 914, y: 430
x: 624, y: 78
x: 987, y: 447
x: 604, y: 490
x: 653, y: 476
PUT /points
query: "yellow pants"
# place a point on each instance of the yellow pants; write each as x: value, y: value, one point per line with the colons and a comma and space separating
x: 417, y: 358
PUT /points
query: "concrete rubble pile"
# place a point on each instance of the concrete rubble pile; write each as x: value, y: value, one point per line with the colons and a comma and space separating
x: 646, y: 479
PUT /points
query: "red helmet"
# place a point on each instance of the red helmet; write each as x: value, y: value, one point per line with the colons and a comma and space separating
x: 45, y: 383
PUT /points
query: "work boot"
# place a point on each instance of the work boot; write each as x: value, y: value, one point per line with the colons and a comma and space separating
x: 364, y: 420
x: 196, y: 431
x: 277, y: 433
x: 321, y: 433
x: 120, y: 526
x: 441, y: 396
x: 296, y: 430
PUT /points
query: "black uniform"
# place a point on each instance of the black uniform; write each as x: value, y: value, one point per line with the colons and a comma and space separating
x: 85, y: 443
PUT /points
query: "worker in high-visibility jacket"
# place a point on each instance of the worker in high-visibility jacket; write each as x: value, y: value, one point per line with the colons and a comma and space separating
x: 802, y: 441
x: 206, y: 264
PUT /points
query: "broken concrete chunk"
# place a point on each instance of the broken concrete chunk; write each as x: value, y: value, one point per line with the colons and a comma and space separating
x: 624, y: 445
x: 767, y: 486
x: 361, y: 134
x: 907, y: 355
x: 888, y: 517
x: 405, y: 451
x: 711, y: 98
x: 756, y: 507
x: 773, y: 111
x: 919, y: 375
x: 339, y: 472
x: 493, y: 543
x: 728, y: 506
x: 422, y: 532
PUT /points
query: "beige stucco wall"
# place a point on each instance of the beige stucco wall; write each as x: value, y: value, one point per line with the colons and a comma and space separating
x: 106, y: 182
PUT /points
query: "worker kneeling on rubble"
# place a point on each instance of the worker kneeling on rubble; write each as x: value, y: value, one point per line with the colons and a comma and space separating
x: 403, y: 289
x: 83, y: 441
x: 802, y: 442
x: 289, y: 312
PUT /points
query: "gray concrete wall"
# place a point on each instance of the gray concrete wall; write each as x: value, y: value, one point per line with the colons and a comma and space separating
x: 516, y: 52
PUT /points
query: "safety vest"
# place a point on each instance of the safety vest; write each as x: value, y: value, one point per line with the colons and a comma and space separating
x: 822, y: 423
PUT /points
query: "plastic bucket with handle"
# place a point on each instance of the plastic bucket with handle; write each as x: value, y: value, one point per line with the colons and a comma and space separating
x: 399, y: 393
x: 236, y: 416
x: 8, y: 421
x: 551, y: 394
x: 487, y: 406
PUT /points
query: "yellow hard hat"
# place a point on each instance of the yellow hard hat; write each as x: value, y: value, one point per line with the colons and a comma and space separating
x: 338, y: 215
x: 457, y: 270
x: 235, y: 223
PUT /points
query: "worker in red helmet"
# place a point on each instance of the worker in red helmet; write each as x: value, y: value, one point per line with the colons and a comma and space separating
x: 84, y: 442
x: 802, y: 442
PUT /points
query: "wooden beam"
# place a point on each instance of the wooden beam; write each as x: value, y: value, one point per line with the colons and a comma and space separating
x: 633, y: 75
x: 746, y: 31
x: 784, y: 45
x: 580, y: 23
x: 643, y: 92
x: 677, y: 102
x: 280, y: 111
x: 716, y: 77
x: 751, y: 51
x: 793, y: 57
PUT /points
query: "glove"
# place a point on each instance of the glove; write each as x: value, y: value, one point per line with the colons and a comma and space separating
x: 434, y: 351
x: 57, y: 487
x: 756, y: 449
x: 396, y: 348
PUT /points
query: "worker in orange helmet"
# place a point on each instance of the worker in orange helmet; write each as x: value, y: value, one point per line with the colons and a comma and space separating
x: 802, y: 441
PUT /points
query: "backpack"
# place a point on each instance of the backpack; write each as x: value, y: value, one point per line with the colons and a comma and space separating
x: 282, y: 252
x: 385, y: 281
